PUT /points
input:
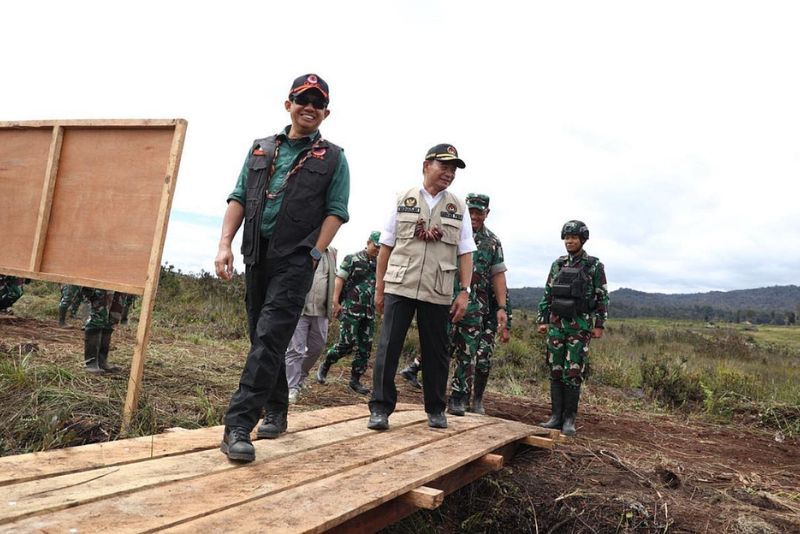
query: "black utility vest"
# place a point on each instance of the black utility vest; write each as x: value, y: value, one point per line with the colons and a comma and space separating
x: 303, y: 207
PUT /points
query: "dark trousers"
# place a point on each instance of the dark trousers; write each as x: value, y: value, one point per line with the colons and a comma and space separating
x: 276, y: 293
x: 432, y: 322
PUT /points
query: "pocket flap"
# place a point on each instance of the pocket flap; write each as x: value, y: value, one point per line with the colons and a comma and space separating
x: 396, y: 269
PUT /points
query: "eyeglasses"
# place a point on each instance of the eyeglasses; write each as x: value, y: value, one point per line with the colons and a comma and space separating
x: 303, y: 100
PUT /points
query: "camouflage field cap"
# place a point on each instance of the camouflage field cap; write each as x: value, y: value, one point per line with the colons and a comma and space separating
x: 375, y: 237
x: 478, y: 201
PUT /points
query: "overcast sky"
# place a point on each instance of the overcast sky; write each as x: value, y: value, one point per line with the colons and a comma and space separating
x: 672, y: 129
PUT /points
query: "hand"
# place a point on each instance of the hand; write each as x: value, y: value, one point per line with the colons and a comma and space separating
x: 459, y: 307
x: 505, y: 335
x: 379, y: 301
x: 597, y: 333
x: 337, y: 309
x: 542, y: 328
x: 223, y: 263
x: 502, y: 320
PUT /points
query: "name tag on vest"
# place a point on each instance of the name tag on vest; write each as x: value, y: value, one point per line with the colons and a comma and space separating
x: 407, y: 209
x: 448, y: 215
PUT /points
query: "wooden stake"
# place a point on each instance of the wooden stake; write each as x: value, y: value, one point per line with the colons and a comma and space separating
x: 47, y: 198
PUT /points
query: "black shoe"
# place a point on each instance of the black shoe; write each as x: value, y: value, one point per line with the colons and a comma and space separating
x: 236, y: 445
x: 378, y: 421
x: 437, y: 420
x: 456, y: 405
x: 572, y: 395
x: 274, y: 425
x: 355, y: 384
x: 322, y: 372
x: 556, y: 405
x: 410, y: 374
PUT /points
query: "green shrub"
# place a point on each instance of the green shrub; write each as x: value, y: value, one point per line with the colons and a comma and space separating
x: 668, y: 382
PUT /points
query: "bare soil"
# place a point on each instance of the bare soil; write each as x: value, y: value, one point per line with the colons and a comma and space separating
x: 626, y: 470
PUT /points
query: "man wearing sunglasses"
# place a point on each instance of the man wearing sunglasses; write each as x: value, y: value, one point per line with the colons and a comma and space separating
x: 292, y: 195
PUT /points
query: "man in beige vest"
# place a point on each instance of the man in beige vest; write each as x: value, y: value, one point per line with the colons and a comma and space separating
x: 311, y: 332
x: 424, y: 245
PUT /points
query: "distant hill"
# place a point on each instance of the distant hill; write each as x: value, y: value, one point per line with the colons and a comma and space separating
x: 776, y: 304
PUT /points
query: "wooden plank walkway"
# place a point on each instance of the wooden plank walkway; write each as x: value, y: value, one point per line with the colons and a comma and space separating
x: 328, y: 472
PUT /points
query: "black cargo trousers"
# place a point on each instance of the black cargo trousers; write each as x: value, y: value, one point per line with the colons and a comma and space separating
x: 276, y: 292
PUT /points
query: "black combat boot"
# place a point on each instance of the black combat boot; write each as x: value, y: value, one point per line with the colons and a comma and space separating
x: 479, y: 388
x: 274, y: 425
x: 410, y: 374
x: 91, y: 350
x: 378, y: 421
x: 572, y: 395
x: 556, y: 405
x: 62, y: 316
x: 437, y: 420
x: 322, y: 371
x: 456, y: 405
x: 237, y: 446
x: 105, y: 346
x: 355, y: 383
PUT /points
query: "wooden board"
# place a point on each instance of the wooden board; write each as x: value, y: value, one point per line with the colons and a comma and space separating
x: 325, y: 472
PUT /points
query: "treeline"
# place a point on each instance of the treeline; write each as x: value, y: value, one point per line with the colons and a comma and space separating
x: 768, y: 305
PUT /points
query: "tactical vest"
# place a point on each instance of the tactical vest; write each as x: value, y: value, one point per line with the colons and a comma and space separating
x: 425, y: 270
x: 572, y: 291
x: 302, y: 208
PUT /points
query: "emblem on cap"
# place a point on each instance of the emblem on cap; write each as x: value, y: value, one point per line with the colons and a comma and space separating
x: 410, y: 202
x: 312, y: 78
x: 451, y: 150
x: 451, y: 208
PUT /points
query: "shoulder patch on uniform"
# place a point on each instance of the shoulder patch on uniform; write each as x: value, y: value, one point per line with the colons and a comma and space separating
x: 410, y: 202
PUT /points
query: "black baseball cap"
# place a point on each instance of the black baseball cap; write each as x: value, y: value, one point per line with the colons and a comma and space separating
x: 445, y: 152
x: 309, y: 81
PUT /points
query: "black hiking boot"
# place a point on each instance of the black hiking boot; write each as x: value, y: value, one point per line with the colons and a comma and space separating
x: 274, y: 425
x: 572, y: 395
x: 556, y: 405
x: 410, y: 374
x: 378, y: 421
x: 236, y: 445
x: 322, y: 371
x: 437, y: 420
x: 355, y: 384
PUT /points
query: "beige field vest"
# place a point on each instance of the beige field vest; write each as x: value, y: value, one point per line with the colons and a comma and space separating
x: 425, y: 270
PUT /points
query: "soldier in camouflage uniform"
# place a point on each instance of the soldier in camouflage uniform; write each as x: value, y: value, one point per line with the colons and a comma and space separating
x: 486, y: 344
x: 10, y: 291
x: 354, y: 304
x: 488, y: 276
x: 127, y: 304
x: 572, y: 311
x: 70, y: 301
x: 105, y: 312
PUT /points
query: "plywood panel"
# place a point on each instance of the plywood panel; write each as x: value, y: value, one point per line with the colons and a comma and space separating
x: 106, y: 203
x: 23, y: 162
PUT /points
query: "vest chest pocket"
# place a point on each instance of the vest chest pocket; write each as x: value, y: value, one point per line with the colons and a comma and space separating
x: 445, y: 277
x: 451, y: 231
x: 406, y: 227
x: 396, y: 269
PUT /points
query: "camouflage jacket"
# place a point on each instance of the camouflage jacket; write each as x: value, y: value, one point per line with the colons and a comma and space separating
x: 358, y: 293
x: 487, y: 261
x: 596, y: 291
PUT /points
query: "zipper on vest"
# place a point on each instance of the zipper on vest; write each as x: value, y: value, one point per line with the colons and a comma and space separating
x: 424, y: 255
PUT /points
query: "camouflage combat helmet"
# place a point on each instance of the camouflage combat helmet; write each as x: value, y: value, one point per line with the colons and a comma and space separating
x: 577, y: 228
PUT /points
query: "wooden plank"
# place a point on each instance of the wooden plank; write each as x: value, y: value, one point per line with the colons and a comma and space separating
x: 423, y: 497
x: 155, y: 507
x: 91, y: 123
x: 23, y: 467
x: 153, y: 275
x: 493, y: 462
x: 76, y: 280
x: 343, y: 496
x: 55, y: 493
x: 46, y: 201
x: 538, y: 441
x: 393, y: 511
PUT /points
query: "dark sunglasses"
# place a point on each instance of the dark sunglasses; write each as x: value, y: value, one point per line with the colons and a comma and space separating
x: 303, y: 100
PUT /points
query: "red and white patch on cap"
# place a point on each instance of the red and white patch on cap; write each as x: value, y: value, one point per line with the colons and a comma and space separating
x: 451, y: 150
x: 312, y: 79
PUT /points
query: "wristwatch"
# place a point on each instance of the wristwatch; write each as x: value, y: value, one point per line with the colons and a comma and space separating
x: 467, y: 289
x: 316, y: 254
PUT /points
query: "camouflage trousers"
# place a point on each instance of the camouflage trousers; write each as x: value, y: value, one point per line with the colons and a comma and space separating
x: 464, y: 343
x: 567, y: 353
x: 355, y: 333
x: 105, y: 308
x: 70, y: 298
x: 10, y: 291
